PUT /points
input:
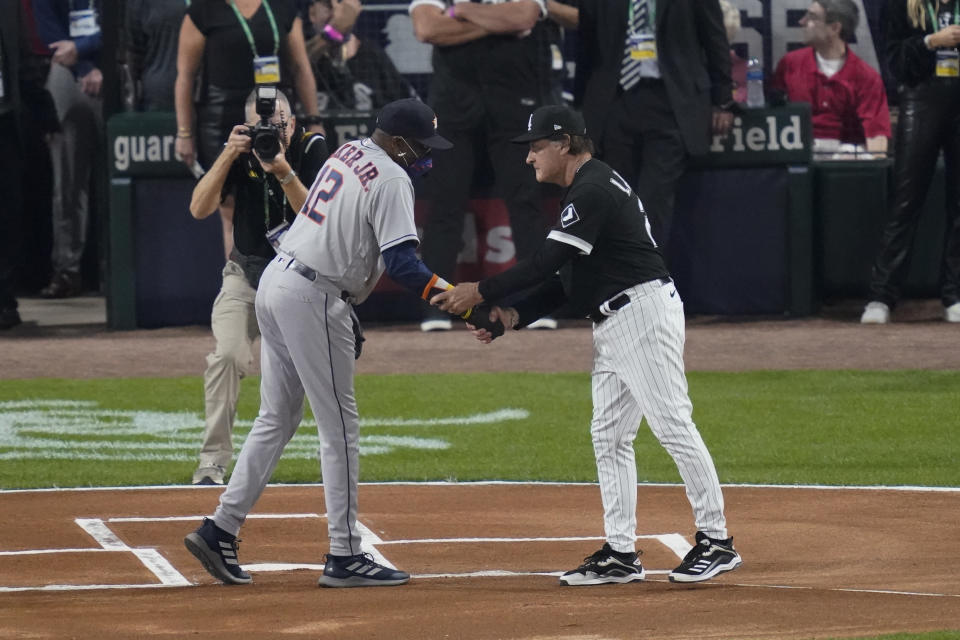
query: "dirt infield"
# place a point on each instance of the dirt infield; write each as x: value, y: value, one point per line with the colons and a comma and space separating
x: 817, y: 563
x: 920, y: 339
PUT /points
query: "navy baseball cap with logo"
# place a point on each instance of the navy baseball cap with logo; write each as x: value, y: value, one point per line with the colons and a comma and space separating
x: 549, y: 121
x: 411, y: 118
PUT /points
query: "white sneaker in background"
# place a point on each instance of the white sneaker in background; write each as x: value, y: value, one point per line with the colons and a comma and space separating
x: 875, y: 313
x: 545, y: 322
x: 436, y: 324
x: 212, y: 474
x: 952, y: 313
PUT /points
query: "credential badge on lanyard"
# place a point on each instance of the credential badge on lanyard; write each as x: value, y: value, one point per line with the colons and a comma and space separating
x: 266, y: 69
x: 948, y: 63
x: 83, y: 22
x: 642, y: 42
x: 948, y: 60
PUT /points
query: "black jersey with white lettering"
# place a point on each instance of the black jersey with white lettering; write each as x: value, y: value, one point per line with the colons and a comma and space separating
x: 604, y: 219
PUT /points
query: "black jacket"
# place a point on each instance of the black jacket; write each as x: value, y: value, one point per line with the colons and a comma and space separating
x: 909, y: 59
x: 694, y: 58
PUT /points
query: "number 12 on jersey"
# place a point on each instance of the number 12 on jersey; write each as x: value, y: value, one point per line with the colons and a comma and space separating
x: 325, y: 187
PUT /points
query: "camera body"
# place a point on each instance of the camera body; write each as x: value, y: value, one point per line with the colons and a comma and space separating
x: 266, y: 135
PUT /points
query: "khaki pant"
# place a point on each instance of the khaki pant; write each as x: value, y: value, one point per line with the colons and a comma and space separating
x: 234, y: 324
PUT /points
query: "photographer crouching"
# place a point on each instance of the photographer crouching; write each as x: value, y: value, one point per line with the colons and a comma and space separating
x: 268, y: 165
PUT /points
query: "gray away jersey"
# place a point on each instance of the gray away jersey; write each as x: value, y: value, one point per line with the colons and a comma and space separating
x: 360, y: 204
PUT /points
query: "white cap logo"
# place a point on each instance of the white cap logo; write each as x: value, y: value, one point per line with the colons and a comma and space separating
x: 557, y: 127
x: 530, y: 123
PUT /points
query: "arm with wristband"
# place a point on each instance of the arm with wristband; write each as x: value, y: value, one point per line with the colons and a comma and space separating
x: 409, y: 271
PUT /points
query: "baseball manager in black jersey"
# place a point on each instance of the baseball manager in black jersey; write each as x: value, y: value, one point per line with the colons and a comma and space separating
x: 601, y: 261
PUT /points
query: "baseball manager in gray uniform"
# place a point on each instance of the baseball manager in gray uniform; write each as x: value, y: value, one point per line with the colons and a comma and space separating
x: 357, y: 221
x: 601, y: 261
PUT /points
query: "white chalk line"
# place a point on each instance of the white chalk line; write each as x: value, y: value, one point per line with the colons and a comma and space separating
x: 893, y: 592
x: 170, y: 577
x: 252, y: 516
x: 901, y: 488
x: 151, y: 558
x: 507, y: 483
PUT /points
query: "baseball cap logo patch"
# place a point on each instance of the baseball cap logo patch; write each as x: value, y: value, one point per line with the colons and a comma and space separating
x: 410, y: 118
x: 551, y: 121
x: 568, y: 216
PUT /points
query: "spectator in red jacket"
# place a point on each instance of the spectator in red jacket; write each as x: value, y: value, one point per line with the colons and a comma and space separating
x: 846, y: 95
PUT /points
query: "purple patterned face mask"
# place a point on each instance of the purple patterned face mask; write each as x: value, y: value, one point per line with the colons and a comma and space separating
x: 420, y: 167
x: 423, y: 161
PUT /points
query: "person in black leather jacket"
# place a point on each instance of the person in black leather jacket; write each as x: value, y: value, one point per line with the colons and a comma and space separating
x: 921, y: 49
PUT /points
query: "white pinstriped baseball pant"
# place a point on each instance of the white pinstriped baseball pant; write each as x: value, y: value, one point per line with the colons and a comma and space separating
x: 638, y: 372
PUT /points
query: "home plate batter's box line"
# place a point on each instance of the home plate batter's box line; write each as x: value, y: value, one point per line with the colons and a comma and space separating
x: 168, y: 576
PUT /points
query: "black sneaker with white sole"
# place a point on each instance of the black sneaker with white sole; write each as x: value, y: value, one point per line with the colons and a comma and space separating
x: 217, y: 552
x: 708, y: 558
x: 359, y: 571
x: 606, y: 566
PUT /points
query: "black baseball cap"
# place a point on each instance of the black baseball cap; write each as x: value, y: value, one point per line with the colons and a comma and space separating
x: 549, y: 121
x: 411, y: 118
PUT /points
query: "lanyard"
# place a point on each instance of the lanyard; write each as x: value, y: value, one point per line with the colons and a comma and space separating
x: 651, y: 14
x: 273, y: 26
x: 933, y: 15
x: 266, y: 204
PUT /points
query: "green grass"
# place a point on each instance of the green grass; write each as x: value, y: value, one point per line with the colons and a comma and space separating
x: 806, y: 427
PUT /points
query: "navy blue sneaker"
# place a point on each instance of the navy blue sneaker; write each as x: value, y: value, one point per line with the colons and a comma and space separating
x: 708, y: 558
x: 359, y: 571
x: 217, y: 552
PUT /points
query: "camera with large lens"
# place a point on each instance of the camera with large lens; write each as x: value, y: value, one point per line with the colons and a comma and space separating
x: 266, y: 135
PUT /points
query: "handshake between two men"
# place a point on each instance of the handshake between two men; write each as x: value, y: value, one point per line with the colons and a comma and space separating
x: 464, y: 300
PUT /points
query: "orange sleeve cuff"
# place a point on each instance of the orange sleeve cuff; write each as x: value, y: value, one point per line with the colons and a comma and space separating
x: 429, y: 287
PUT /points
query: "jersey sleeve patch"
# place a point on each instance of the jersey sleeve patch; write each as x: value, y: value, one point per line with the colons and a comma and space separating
x: 569, y: 216
x: 581, y: 244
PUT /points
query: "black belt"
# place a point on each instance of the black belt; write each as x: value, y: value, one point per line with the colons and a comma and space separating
x: 311, y: 275
x: 643, y: 83
x: 618, y: 302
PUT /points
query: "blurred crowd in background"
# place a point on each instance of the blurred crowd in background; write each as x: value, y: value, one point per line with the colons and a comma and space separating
x: 654, y: 78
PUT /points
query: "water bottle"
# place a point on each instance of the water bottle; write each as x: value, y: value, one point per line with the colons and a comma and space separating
x: 755, y: 83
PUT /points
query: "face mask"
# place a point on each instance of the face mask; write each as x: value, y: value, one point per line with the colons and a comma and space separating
x: 420, y: 167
